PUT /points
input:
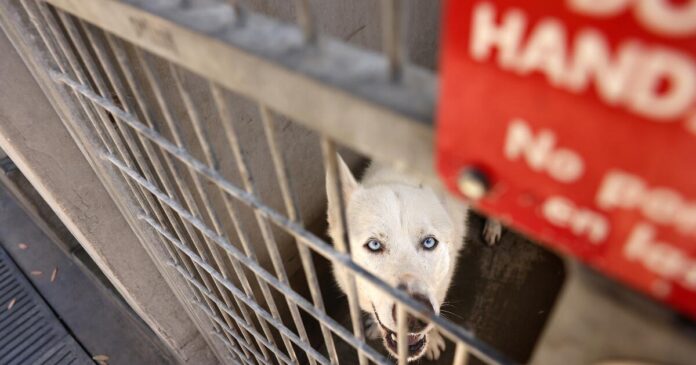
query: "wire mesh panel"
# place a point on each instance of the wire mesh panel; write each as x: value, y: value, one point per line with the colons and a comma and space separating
x: 197, y: 112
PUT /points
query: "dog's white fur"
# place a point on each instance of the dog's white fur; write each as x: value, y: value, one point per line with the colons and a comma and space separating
x: 400, y: 211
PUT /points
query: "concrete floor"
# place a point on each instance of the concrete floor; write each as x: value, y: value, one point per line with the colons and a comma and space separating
x: 90, y: 311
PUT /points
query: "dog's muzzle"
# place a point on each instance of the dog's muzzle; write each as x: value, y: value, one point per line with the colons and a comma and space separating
x: 414, y: 324
x: 417, y: 339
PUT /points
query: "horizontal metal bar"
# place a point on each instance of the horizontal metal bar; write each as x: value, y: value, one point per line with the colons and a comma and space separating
x: 191, y: 204
x: 251, y: 330
x: 236, y: 291
x: 250, y: 264
x: 171, y: 322
x: 479, y: 348
x: 253, y: 266
x: 212, y: 162
x: 139, y: 157
x: 91, y: 72
x: 249, y: 185
x: 120, y: 87
x: 49, y: 32
x: 337, y: 90
x: 187, y: 275
x: 229, y: 345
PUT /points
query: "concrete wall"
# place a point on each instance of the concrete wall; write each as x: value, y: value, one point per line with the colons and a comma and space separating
x: 597, y: 321
x: 34, y: 137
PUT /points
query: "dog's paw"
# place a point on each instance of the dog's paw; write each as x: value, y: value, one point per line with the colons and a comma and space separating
x: 436, y: 345
x: 492, y: 231
x: 372, y: 331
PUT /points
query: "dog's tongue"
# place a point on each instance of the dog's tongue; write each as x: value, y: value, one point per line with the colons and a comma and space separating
x: 413, y: 339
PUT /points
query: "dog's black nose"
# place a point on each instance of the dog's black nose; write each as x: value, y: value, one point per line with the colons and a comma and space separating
x: 414, y: 324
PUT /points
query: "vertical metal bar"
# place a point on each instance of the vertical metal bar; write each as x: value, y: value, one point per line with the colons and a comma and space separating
x: 216, y: 224
x: 126, y: 69
x: 401, y: 335
x: 121, y: 141
x: 460, y: 354
x: 101, y: 87
x: 281, y: 357
x: 104, y: 60
x: 233, y: 289
x: 230, y: 346
x: 392, y: 36
x: 188, y: 198
x: 125, y: 132
x: 232, y: 350
x: 249, y: 251
x: 223, y: 242
x: 75, y: 68
x: 139, y: 98
x: 329, y: 154
x: 306, y: 21
x: 242, y: 166
x: 239, y: 12
x: 58, y: 60
x: 150, y: 153
x: 292, y: 208
x: 246, y: 346
x: 29, y: 44
x: 190, y: 202
x: 451, y: 330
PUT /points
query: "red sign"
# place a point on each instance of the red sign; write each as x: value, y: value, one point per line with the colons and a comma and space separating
x: 582, y: 115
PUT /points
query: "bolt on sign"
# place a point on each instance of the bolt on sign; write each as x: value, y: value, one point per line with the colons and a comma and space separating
x: 580, y: 117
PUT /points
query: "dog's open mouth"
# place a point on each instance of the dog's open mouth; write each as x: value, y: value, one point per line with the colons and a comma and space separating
x: 416, y: 343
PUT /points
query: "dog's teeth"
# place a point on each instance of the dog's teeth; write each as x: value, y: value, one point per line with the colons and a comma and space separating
x: 393, y: 337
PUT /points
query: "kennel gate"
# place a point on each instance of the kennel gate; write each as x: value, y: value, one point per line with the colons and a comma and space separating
x: 101, y: 65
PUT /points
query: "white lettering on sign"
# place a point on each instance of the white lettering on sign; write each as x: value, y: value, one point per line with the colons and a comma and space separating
x: 599, y: 8
x: 561, y: 212
x: 506, y: 36
x: 593, y: 62
x: 662, y: 205
x: 653, y: 82
x: 660, y: 16
x: 540, y: 152
x: 660, y: 258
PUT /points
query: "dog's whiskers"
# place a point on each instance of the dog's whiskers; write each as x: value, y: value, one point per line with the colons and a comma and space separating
x: 448, y: 314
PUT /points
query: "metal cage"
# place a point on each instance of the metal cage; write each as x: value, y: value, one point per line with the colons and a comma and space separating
x: 149, y: 91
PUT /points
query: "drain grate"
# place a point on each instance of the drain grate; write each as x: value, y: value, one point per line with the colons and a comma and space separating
x: 29, y: 331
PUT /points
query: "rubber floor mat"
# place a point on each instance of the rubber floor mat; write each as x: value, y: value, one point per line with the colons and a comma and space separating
x: 29, y: 331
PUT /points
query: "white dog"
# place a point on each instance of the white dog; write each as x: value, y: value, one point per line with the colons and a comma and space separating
x: 409, y: 236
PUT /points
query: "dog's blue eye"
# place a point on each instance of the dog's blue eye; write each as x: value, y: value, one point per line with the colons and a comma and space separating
x: 374, y: 246
x: 429, y: 243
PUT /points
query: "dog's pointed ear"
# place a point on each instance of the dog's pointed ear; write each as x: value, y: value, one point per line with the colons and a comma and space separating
x: 348, y: 185
x: 348, y: 181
